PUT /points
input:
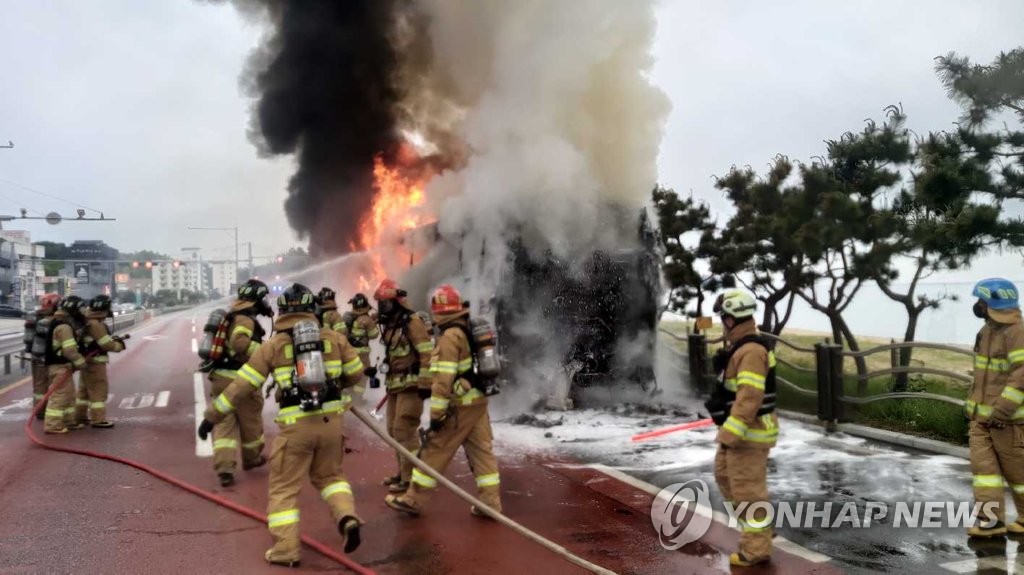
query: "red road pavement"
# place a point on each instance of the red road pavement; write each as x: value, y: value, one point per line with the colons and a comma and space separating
x: 65, y: 513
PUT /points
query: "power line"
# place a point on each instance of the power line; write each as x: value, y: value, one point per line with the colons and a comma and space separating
x: 16, y: 202
x: 44, y: 194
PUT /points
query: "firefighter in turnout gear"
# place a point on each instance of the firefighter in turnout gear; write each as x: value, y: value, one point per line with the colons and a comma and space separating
x: 743, y: 406
x: 62, y: 359
x: 47, y: 306
x: 243, y: 427
x: 313, y: 369
x: 407, y: 349
x: 994, y: 406
x: 458, y: 411
x: 328, y: 312
x: 360, y: 327
x: 96, y: 343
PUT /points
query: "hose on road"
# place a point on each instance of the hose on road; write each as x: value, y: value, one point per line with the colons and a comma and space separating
x: 319, y: 547
x: 491, y: 512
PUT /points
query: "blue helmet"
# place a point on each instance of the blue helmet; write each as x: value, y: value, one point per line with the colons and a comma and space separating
x: 997, y: 293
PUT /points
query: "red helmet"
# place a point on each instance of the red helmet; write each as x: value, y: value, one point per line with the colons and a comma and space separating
x: 49, y: 301
x: 388, y: 289
x: 446, y: 299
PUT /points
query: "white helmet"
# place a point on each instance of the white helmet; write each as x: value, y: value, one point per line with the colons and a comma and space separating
x: 736, y: 303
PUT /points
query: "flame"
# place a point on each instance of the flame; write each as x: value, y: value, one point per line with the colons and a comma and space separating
x: 397, y: 208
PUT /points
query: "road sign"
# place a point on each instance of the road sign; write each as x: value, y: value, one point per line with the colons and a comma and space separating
x: 81, y: 273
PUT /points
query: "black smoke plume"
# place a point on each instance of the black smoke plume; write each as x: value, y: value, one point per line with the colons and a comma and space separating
x: 323, y: 85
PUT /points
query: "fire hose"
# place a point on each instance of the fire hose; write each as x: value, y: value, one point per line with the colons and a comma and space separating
x: 317, y: 546
x: 486, y: 509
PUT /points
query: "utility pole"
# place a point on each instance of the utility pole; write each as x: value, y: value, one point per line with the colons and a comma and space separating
x: 235, y: 230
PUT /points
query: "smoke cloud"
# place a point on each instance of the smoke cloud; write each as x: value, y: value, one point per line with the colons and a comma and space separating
x: 560, y: 116
x: 538, y: 120
x: 544, y: 108
x: 323, y: 84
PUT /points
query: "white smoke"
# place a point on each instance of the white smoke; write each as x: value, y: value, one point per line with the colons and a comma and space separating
x: 547, y: 111
x: 556, y: 111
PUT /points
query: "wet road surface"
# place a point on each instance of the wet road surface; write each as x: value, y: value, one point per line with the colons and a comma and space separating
x: 65, y: 513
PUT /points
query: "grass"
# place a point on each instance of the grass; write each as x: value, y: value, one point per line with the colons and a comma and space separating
x: 923, y: 417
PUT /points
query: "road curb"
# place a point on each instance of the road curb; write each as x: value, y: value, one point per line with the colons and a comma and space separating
x: 885, y: 436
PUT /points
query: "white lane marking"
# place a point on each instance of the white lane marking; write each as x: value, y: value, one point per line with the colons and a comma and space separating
x: 162, y: 398
x: 195, y: 346
x: 203, y: 448
x: 719, y: 516
x: 993, y: 564
x: 18, y: 404
x: 153, y: 337
x: 193, y: 328
x: 137, y: 401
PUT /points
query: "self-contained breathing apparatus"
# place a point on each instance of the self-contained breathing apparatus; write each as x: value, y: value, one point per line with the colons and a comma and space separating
x: 310, y: 386
x: 391, y: 317
x: 482, y: 340
x: 724, y: 395
x: 30, y: 331
x: 41, y: 344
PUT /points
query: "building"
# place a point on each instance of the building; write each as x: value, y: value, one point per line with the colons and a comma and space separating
x: 91, y: 267
x: 224, y: 278
x: 179, y: 276
x: 21, y: 269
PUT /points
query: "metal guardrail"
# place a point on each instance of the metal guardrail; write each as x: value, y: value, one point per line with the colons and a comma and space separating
x: 12, y: 346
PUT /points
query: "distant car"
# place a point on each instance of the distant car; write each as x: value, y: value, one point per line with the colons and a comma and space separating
x: 10, y: 311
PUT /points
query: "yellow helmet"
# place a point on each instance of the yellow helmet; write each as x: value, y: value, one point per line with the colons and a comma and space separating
x: 735, y: 303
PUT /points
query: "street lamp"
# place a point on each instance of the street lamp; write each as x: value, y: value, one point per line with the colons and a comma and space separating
x: 235, y: 230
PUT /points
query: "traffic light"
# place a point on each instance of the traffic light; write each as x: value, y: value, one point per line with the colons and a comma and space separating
x: 149, y: 265
x: 280, y: 259
x: 176, y: 264
x: 135, y: 265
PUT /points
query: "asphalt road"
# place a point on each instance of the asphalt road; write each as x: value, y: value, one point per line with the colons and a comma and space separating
x: 66, y: 513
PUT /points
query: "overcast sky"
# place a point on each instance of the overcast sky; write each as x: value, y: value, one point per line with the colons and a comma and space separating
x: 133, y: 107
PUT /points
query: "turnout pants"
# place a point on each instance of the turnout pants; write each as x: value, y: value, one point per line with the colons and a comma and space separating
x: 40, y: 382
x: 997, y: 462
x: 404, y: 410
x: 60, y: 410
x: 741, y: 474
x: 313, y: 447
x: 468, y: 427
x: 243, y: 428
x: 92, y: 393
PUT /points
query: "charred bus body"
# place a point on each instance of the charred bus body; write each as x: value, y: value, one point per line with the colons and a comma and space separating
x: 573, y: 322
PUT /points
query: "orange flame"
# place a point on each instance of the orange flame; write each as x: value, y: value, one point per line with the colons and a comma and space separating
x: 398, y: 207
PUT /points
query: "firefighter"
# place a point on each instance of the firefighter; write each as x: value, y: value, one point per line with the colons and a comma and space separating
x: 994, y: 407
x: 407, y: 349
x: 458, y: 411
x: 245, y: 423
x: 361, y: 327
x: 47, y: 306
x: 310, y: 443
x: 744, y: 408
x: 62, y: 359
x: 328, y: 312
x: 96, y: 343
